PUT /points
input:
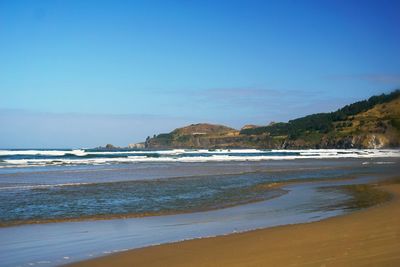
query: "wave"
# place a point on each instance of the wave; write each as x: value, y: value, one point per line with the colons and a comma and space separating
x: 78, y: 152
x: 82, y: 152
x: 82, y: 157
x: 39, y: 186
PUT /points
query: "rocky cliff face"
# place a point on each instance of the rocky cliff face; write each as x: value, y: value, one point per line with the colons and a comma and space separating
x: 377, y: 126
x: 202, y: 135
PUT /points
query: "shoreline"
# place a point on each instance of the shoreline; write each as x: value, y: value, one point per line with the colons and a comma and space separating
x: 368, y: 237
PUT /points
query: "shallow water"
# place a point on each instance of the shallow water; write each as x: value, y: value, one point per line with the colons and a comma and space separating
x: 73, y: 192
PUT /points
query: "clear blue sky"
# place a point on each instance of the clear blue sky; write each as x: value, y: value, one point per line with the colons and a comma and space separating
x: 85, y: 73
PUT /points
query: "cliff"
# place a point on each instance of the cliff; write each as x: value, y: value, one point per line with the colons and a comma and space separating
x: 372, y: 123
x: 202, y: 135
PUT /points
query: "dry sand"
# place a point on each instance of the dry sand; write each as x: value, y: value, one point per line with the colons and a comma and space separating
x: 369, y: 237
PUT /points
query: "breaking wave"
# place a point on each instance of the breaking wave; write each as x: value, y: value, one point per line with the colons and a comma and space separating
x: 30, y: 158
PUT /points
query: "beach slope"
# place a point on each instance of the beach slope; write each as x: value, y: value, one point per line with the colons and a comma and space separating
x: 369, y: 237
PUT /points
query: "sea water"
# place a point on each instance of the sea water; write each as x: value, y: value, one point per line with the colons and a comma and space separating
x: 194, y: 193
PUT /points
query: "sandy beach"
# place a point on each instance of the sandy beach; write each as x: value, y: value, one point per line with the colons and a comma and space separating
x: 369, y: 237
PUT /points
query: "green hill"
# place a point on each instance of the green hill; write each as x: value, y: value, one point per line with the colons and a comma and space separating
x: 372, y: 123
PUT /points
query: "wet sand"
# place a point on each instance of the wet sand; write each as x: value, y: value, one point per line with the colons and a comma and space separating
x: 369, y: 237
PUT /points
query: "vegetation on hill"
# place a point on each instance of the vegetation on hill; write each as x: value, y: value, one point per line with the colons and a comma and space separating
x: 321, y: 122
x: 369, y: 123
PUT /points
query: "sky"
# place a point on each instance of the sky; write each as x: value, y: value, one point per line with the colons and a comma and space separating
x: 86, y: 73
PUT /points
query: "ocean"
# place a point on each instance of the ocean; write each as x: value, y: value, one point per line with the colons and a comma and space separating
x: 77, y: 157
x: 63, y: 205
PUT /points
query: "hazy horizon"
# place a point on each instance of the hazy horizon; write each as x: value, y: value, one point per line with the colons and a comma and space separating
x: 80, y: 74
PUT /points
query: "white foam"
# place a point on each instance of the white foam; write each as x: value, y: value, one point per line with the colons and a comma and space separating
x: 41, y: 186
x: 81, y: 152
x: 177, y: 155
x: 78, y: 152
